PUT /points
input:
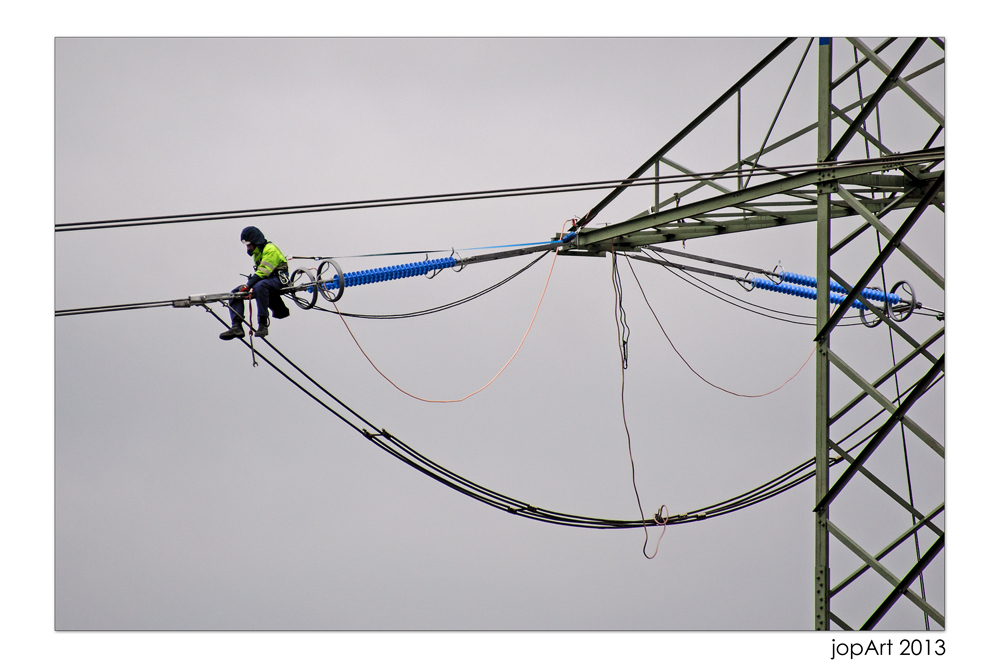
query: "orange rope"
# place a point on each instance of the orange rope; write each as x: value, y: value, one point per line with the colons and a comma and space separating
x: 660, y: 520
x: 459, y: 400
x: 689, y: 365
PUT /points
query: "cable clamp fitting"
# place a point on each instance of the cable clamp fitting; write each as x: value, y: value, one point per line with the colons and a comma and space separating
x: 433, y: 273
x: 460, y: 263
x: 659, y: 518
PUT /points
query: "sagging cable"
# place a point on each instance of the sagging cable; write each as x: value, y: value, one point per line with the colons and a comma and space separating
x: 471, y: 394
x: 794, y: 284
x: 690, y: 367
x: 398, y: 449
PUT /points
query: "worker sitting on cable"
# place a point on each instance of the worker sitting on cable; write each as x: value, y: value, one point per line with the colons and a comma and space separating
x: 264, y: 284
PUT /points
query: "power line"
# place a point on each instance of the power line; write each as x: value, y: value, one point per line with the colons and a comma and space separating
x: 755, y: 312
x: 691, y: 368
x: 400, y: 450
x: 438, y: 309
x: 735, y: 298
x: 412, y: 457
x: 457, y: 400
x: 582, y: 186
x: 111, y: 309
x: 787, y: 481
x: 428, y: 311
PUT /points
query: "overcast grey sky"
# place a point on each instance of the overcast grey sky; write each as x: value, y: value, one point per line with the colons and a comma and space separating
x: 194, y: 491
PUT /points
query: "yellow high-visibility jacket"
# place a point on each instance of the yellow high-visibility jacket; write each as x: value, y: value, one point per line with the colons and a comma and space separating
x: 266, y: 261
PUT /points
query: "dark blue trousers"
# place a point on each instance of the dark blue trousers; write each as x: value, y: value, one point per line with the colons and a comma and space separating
x: 266, y: 294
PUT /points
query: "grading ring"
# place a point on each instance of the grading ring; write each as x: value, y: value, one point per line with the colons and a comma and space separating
x: 321, y: 285
x: 908, y: 307
x: 871, y: 324
x: 305, y: 304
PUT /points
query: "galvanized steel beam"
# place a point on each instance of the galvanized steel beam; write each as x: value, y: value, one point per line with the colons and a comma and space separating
x: 924, y: 521
x: 888, y: 321
x: 871, y: 477
x: 822, y: 530
x: 687, y: 130
x: 884, y: 431
x: 812, y: 177
x: 872, y: 103
x: 896, y: 239
x: 886, y: 404
x: 907, y: 88
x: 889, y: 373
x: 887, y: 233
x: 904, y: 585
x: 885, y: 573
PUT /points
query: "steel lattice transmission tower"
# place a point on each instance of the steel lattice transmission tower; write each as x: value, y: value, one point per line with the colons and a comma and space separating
x: 869, y: 172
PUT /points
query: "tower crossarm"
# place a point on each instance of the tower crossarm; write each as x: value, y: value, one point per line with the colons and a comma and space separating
x: 724, y: 213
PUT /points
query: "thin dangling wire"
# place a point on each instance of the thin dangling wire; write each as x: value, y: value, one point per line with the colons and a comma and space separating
x: 622, y: 339
x: 892, y: 348
x: 625, y: 332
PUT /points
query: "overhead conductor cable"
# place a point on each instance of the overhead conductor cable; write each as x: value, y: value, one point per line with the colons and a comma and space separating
x: 502, y: 369
x: 400, y: 450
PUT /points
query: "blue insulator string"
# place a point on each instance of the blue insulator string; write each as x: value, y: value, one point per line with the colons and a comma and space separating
x: 809, y: 281
x: 801, y: 291
x: 369, y: 276
x: 569, y: 236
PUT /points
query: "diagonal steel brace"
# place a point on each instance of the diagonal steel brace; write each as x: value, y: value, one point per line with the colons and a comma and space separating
x: 884, y: 572
x: 881, y: 435
x: 893, y: 243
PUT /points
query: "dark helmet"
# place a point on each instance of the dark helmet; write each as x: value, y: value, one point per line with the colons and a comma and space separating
x: 253, y: 236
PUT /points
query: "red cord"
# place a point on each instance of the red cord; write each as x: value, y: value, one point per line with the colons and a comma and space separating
x: 660, y: 520
x: 459, y: 400
x: 689, y: 365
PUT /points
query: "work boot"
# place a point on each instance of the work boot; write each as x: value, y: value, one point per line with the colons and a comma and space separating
x: 261, y: 327
x: 236, y: 331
